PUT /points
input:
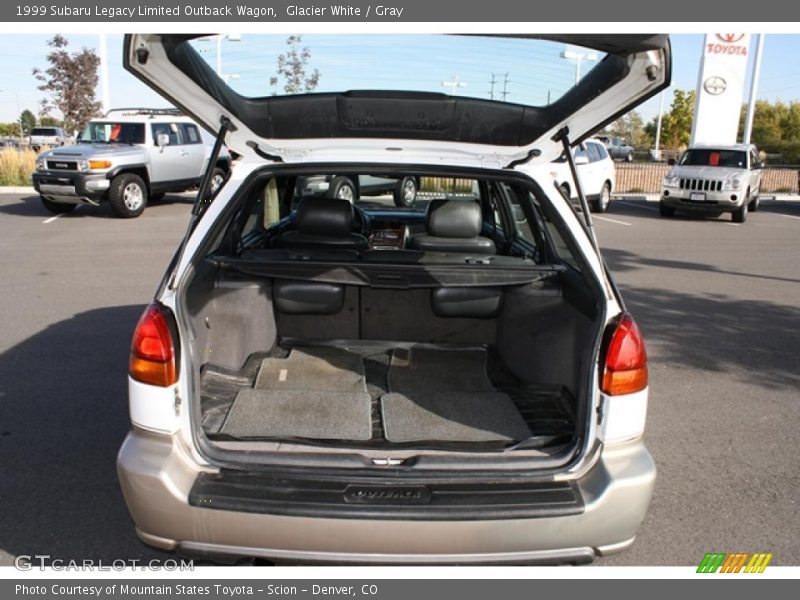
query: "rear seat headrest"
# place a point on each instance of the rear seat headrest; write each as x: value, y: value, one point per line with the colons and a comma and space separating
x: 454, y: 218
x: 324, y: 216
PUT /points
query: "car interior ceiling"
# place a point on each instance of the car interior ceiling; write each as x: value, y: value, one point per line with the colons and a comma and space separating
x: 453, y: 324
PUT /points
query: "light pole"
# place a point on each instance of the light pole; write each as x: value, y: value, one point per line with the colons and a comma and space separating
x: 231, y: 37
x: 454, y: 83
x: 19, y: 114
x: 657, y: 151
x: 751, y: 105
x: 578, y: 57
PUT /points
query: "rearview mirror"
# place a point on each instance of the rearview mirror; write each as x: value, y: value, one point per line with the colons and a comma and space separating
x: 671, y: 162
x: 581, y: 160
x: 162, y: 139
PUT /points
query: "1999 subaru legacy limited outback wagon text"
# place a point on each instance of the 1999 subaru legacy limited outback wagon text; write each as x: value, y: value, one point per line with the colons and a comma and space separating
x: 456, y: 381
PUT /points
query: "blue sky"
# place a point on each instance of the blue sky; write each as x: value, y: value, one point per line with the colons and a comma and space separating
x: 419, y: 64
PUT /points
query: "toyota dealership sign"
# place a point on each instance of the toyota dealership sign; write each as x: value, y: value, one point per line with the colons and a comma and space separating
x: 720, y: 86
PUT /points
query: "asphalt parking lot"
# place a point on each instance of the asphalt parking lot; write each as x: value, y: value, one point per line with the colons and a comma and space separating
x: 719, y: 305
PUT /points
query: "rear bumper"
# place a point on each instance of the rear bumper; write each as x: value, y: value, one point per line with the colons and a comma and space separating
x: 157, y: 477
x: 712, y: 201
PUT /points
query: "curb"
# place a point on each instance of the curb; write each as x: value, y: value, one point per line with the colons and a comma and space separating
x: 17, y: 189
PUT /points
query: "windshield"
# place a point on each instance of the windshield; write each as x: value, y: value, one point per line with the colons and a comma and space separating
x: 507, y: 69
x: 709, y: 157
x: 43, y: 131
x: 113, y: 132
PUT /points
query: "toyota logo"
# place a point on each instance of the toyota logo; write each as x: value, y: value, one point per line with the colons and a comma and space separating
x: 715, y: 85
x: 730, y: 38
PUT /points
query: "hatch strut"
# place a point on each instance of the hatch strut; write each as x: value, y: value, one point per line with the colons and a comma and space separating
x: 202, y: 202
x: 563, y: 137
x: 203, y: 199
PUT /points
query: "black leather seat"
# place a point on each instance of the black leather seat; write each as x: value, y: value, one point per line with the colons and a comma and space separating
x: 453, y: 226
x: 323, y: 223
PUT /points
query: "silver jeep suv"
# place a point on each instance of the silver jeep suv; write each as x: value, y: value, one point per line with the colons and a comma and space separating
x: 713, y: 180
x: 127, y: 157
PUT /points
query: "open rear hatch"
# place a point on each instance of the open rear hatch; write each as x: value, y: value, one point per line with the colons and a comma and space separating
x: 409, y: 126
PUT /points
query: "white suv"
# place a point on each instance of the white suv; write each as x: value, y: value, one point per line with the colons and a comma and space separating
x: 454, y: 382
x: 712, y: 179
x: 596, y: 171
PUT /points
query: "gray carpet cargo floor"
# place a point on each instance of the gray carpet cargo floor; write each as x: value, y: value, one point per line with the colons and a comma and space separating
x: 321, y: 369
x: 452, y: 417
x: 316, y: 393
x: 258, y: 413
x: 446, y: 395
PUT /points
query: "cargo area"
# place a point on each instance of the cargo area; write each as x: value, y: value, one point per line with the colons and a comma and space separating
x: 385, y: 371
x: 321, y: 324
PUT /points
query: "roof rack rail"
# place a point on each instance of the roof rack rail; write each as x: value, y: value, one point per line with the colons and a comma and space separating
x: 137, y: 110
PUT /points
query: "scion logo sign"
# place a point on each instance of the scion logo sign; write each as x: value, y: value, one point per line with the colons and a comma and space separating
x: 412, y: 494
x: 715, y: 85
x: 728, y: 44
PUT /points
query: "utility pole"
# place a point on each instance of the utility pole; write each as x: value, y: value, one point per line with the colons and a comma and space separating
x: 751, y: 105
x: 505, y: 91
x: 492, y: 83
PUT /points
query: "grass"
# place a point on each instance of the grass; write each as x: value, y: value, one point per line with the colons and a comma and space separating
x: 16, y: 166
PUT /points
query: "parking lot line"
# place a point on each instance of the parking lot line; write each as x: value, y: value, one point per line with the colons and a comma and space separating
x: 613, y: 221
x: 51, y: 219
x: 786, y: 216
x: 635, y: 204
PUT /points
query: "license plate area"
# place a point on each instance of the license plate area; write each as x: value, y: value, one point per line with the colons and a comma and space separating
x: 699, y: 196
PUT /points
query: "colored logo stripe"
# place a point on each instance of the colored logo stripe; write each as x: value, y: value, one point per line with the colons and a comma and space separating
x: 734, y: 563
x: 711, y: 562
x: 758, y: 563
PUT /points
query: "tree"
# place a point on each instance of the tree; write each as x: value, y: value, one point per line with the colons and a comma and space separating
x: 676, y: 125
x: 48, y: 121
x: 292, y: 66
x: 70, y: 81
x: 631, y: 127
x: 28, y: 121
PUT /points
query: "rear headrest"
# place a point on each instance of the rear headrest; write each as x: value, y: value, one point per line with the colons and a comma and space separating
x: 324, y: 216
x: 454, y: 218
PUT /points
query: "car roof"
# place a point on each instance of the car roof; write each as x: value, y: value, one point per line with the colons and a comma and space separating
x: 740, y: 147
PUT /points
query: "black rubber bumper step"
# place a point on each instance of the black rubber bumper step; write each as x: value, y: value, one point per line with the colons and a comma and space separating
x: 370, y: 499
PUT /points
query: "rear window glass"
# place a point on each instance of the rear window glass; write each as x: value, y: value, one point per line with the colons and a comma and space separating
x: 708, y: 157
x: 44, y: 131
x: 394, y: 191
x: 508, y: 69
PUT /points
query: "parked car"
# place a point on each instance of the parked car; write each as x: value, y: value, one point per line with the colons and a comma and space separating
x: 402, y: 189
x: 128, y: 157
x: 617, y: 147
x: 712, y: 180
x: 596, y: 170
x: 47, y: 136
x: 458, y: 383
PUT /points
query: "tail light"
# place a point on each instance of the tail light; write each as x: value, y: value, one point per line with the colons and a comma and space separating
x: 152, y: 350
x: 626, y: 360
